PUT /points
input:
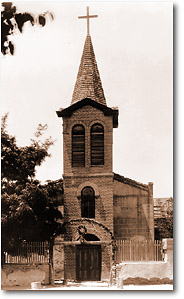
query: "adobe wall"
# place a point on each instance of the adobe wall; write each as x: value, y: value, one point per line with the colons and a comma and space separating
x: 23, y: 274
x: 133, y: 211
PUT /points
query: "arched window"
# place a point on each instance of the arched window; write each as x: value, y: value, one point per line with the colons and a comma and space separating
x: 97, y: 145
x: 88, y: 203
x: 78, y: 146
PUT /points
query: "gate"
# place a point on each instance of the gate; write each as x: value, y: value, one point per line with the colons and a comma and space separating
x: 88, y: 262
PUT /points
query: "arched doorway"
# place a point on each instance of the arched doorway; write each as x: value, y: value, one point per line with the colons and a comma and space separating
x: 88, y: 260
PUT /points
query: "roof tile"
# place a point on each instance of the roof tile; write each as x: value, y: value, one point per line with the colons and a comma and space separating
x: 88, y: 83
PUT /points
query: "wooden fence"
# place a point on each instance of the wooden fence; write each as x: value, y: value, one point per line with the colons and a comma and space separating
x: 126, y: 250
x: 130, y: 250
x: 28, y: 253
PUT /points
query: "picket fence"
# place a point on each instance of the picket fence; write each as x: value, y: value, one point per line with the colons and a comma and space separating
x: 130, y: 250
x: 126, y: 250
x: 28, y: 253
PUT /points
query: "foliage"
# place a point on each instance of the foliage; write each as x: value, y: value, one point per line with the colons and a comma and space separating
x: 164, y: 224
x: 18, y: 163
x: 28, y: 209
x: 13, y: 21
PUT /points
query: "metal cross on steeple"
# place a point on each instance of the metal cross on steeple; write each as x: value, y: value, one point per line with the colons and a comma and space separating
x: 87, y: 17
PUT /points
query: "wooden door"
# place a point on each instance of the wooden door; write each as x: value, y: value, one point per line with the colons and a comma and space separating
x: 88, y: 262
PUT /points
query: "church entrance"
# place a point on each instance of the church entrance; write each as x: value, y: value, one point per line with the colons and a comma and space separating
x: 88, y: 262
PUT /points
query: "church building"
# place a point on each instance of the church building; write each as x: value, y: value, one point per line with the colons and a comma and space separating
x: 99, y: 205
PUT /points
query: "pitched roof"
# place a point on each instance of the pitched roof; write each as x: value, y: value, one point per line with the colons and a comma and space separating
x: 106, y: 110
x: 130, y: 182
x: 88, y: 83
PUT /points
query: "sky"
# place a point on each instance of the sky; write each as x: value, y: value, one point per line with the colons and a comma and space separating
x: 133, y: 44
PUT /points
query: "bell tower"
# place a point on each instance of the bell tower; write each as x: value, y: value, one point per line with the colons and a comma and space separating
x: 87, y: 145
x: 88, y: 176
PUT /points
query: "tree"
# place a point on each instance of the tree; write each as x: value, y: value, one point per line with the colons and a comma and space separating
x: 13, y: 21
x: 29, y: 210
x: 164, y: 224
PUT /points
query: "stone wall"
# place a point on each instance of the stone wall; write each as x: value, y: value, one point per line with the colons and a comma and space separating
x: 23, y: 274
x: 133, y: 210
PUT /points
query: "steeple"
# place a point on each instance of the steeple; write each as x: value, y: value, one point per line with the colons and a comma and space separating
x: 88, y: 90
x: 88, y: 83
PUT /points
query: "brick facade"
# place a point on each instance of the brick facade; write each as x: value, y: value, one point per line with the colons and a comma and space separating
x: 100, y: 178
x: 123, y: 207
x: 87, y: 116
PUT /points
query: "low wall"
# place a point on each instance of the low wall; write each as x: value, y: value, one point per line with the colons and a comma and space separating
x: 161, y: 271
x: 23, y: 274
x: 146, y: 270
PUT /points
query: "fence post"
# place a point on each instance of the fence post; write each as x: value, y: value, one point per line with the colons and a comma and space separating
x: 51, y: 270
x: 130, y: 251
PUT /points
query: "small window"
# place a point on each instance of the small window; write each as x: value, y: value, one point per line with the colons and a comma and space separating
x: 88, y: 203
x: 78, y: 146
x: 91, y: 237
x: 97, y: 145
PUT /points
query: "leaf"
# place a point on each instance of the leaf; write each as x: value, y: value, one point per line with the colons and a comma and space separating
x: 11, y: 47
x: 20, y: 21
x: 41, y: 20
x: 10, y: 20
x: 5, y: 30
x: 7, y: 5
x: 28, y: 17
x: 51, y: 15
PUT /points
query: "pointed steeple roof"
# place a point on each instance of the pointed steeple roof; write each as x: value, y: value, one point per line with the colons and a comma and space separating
x: 88, y: 83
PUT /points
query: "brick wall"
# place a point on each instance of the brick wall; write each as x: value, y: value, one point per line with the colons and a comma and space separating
x: 103, y: 202
x: 87, y: 116
x: 133, y: 211
x: 72, y: 234
x: 70, y: 262
x: 100, y: 178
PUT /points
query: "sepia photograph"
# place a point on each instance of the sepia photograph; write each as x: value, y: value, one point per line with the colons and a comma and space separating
x: 86, y: 146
